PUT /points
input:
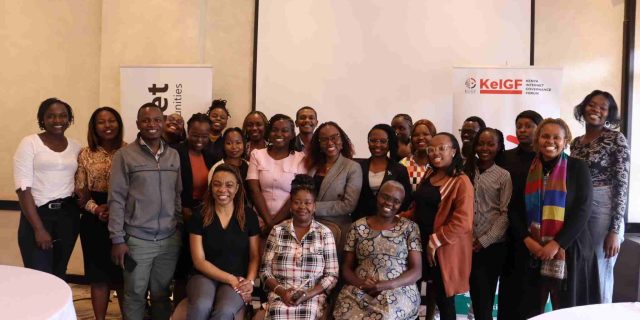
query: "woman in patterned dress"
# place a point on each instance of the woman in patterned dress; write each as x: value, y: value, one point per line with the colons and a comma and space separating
x: 91, y: 183
x: 382, y: 262
x: 300, y: 264
x: 607, y: 154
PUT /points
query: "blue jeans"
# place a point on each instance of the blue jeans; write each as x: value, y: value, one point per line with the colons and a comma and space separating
x: 599, y: 222
x: 156, y: 264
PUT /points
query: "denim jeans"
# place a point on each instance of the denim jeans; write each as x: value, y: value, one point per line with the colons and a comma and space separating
x: 599, y: 222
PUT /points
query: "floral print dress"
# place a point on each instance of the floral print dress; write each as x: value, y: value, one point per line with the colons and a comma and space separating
x: 382, y: 255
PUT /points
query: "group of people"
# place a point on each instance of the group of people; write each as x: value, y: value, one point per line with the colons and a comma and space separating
x: 213, y: 209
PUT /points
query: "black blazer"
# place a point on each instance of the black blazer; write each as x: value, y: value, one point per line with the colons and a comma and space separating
x: 367, y: 201
x: 187, y: 174
x: 577, y: 208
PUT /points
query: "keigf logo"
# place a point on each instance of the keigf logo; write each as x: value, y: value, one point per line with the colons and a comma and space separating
x: 501, y: 86
x: 470, y: 83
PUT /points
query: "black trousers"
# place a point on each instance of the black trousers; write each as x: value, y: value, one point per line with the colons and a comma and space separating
x: 63, y: 226
x: 446, y: 305
x: 486, y: 268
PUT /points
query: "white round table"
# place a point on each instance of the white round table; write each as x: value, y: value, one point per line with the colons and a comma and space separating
x: 28, y: 294
x: 613, y: 311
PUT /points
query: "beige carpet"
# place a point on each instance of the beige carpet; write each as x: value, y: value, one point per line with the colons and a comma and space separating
x: 82, y: 303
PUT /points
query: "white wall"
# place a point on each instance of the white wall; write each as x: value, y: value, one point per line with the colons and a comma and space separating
x: 72, y: 50
x: 361, y: 62
x: 585, y: 38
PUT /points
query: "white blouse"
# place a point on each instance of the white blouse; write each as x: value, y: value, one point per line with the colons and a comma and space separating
x: 49, y: 174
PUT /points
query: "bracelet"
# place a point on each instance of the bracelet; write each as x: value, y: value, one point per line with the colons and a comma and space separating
x: 276, y: 288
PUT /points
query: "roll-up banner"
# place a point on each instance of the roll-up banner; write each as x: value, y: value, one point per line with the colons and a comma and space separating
x: 182, y: 89
x: 498, y: 94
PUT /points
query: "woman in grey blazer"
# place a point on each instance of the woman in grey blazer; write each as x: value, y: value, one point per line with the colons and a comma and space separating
x: 338, y: 179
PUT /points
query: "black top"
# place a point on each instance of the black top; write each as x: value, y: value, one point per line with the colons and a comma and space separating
x: 244, y: 168
x: 517, y: 161
x: 227, y: 249
x: 427, y: 200
x: 215, y: 150
x: 186, y: 174
x: 367, y: 201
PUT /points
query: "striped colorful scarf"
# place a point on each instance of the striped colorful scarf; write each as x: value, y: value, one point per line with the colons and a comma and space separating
x: 545, y: 212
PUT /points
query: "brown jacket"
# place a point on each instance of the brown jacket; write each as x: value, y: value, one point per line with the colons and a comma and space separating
x: 453, y: 233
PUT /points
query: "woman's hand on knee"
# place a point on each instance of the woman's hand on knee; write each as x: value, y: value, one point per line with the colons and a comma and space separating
x: 244, y: 289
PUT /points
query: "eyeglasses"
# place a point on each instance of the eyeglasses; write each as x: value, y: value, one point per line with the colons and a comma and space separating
x: 334, y: 138
x: 378, y: 141
x: 440, y: 148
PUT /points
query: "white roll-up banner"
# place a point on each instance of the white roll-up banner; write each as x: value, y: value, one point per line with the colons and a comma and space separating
x: 182, y: 89
x: 498, y: 94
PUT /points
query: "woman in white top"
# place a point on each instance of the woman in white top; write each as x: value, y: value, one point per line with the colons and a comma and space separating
x: 44, y: 166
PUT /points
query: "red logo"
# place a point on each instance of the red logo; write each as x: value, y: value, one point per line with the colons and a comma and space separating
x: 501, y: 86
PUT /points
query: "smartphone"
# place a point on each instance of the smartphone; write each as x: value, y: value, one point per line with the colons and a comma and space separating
x: 129, y: 263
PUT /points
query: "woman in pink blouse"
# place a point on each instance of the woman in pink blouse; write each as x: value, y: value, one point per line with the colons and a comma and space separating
x: 271, y: 171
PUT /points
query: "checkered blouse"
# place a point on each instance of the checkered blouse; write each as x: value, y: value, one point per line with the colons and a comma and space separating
x: 292, y: 263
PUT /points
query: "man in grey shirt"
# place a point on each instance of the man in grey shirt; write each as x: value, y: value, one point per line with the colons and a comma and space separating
x: 144, y: 213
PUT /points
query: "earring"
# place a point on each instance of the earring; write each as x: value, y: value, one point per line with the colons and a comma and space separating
x: 607, y: 124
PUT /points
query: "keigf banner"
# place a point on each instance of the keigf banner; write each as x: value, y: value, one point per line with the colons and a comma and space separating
x: 182, y: 89
x: 498, y: 94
